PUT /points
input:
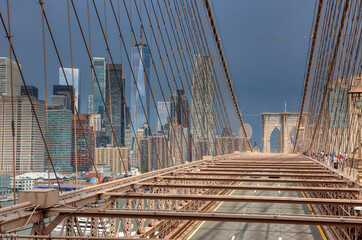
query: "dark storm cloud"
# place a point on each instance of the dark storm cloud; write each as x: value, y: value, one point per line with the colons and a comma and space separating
x: 265, y: 72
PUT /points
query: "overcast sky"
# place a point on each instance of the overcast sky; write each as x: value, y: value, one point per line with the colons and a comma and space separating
x: 266, y: 73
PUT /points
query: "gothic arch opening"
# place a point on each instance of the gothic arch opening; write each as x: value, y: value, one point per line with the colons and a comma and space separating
x: 283, y: 139
x: 292, y: 135
x: 275, y: 141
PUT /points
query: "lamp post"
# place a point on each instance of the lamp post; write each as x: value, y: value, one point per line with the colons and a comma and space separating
x: 356, y: 104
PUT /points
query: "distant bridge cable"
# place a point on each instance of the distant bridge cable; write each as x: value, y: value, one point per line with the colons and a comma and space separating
x: 219, y: 96
x: 207, y: 5
x: 331, y: 70
x: 188, y: 50
x: 310, y: 61
x: 67, y: 83
x: 281, y: 38
x: 30, y: 100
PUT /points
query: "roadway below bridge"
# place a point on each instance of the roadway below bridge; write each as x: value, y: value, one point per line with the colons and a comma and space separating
x: 260, y: 231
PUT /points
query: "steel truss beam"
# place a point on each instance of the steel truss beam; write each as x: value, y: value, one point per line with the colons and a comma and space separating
x: 226, y: 166
x: 65, y: 237
x: 252, y: 187
x: 121, y: 182
x: 277, y: 163
x: 278, y: 170
x: 234, y: 198
x: 286, y: 180
x: 218, y: 216
x: 261, y: 174
x: 174, y: 180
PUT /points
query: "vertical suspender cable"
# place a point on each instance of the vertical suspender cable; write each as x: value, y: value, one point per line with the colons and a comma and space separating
x: 108, y: 71
x: 46, y: 91
x: 69, y: 89
x: 310, y: 61
x: 96, y: 153
x: 12, y: 102
x: 331, y: 69
x: 92, y: 66
x: 30, y: 100
x: 73, y: 99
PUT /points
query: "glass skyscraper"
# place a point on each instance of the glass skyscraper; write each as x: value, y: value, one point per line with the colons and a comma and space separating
x: 140, y: 55
x: 63, y: 90
x: 60, y: 130
x: 115, y: 100
x: 68, y: 74
x: 179, y: 109
x: 90, y: 103
x: 163, y: 108
x: 100, y: 74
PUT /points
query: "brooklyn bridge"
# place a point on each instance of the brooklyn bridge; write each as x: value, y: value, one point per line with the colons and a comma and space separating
x: 163, y: 150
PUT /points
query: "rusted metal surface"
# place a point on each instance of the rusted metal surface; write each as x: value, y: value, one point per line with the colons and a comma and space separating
x: 285, y: 200
x: 278, y: 170
x: 16, y: 207
x: 260, y: 174
x: 255, y: 187
x: 173, y: 201
x: 213, y: 216
x: 61, y: 237
x: 285, y: 180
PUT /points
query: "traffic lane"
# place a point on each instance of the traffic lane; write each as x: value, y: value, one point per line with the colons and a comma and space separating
x: 234, y: 230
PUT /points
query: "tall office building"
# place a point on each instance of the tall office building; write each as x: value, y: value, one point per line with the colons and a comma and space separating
x: 80, y: 151
x: 163, y: 109
x: 33, y: 91
x: 179, y: 109
x: 5, y: 78
x: 60, y: 139
x: 179, y: 128
x: 154, y: 152
x: 72, y: 75
x: 158, y: 154
x: 29, y: 146
x: 60, y: 101
x: 136, y: 156
x: 180, y: 145
x: 128, y: 130
x: 141, y: 69
x: 63, y: 90
x: 95, y: 121
x: 114, y: 99
x: 90, y: 103
x: 101, y: 139
x: 110, y: 155
x: 202, y: 109
x: 100, y: 75
x: 137, y: 153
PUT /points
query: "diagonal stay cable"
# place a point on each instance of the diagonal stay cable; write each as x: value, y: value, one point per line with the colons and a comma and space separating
x: 31, y: 103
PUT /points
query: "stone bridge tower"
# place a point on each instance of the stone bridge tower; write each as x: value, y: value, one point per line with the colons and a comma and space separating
x: 286, y: 123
